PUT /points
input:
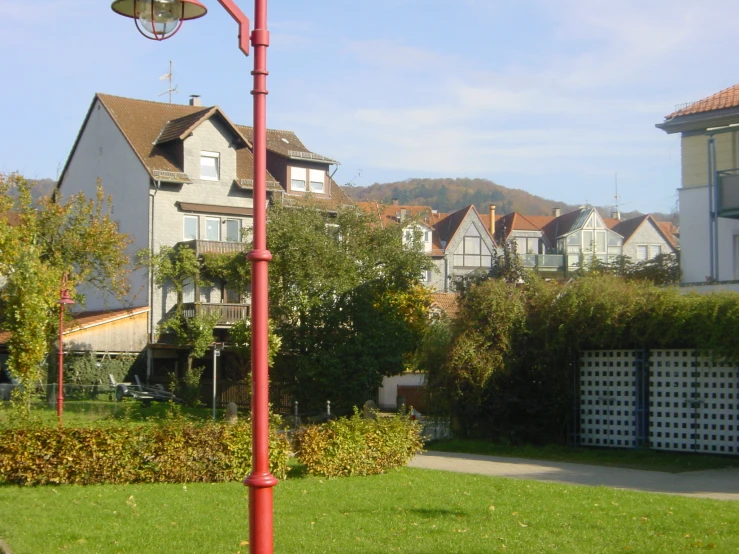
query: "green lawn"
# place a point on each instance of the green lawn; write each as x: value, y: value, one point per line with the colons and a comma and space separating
x: 411, y: 511
x: 673, y: 462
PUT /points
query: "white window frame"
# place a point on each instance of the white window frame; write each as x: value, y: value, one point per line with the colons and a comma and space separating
x: 646, y: 252
x: 217, y: 221
x: 298, y: 179
x: 654, y: 250
x: 317, y: 176
x: 210, y: 156
x: 187, y: 218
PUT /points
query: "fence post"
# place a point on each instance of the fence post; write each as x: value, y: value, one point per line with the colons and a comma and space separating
x: 297, y: 416
x: 328, y: 408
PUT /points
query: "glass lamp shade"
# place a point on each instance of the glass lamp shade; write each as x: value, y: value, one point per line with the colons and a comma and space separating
x: 159, y: 19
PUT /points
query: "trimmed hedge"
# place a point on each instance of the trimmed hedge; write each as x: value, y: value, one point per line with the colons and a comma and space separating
x: 170, y: 453
x: 358, y: 446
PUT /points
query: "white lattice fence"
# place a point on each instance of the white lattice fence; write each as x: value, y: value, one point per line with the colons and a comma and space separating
x: 608, y: 398
x: 693, y: 403
x: 688, y: 403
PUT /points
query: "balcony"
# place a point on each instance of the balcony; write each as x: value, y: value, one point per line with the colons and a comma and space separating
x: 214, y: 247
x: 728, y: 194
x: 228, y: 314
x: 543, y: 262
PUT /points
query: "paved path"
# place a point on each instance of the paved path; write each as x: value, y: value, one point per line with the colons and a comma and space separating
x: 721, y: 484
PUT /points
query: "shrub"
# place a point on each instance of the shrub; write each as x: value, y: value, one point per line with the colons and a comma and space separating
x: 358, y: 446
x: 177, y: 452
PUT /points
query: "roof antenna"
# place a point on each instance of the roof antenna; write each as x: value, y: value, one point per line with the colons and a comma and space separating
x: 169, y: 77
x: 616, y: 199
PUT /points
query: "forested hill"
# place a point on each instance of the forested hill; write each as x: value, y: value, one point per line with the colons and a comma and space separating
x: 449, y: 195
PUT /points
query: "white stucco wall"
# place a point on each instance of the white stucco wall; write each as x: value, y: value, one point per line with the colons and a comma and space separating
x: 103, y: 153
x: 388, y: 392
x: 694, y: 239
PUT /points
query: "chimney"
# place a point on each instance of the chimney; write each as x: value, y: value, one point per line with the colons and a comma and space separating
x: 492, y: 219
x: 616, y: 215
x: 556, y: 212
x: 195, y: 100
x: 403, y: 213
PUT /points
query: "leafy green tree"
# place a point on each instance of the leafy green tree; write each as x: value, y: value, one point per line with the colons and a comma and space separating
x: 40, y: 242
x: 345, y: 300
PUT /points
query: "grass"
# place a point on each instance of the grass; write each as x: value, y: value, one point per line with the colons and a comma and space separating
x: 405, y: 511
x: 654, y: 460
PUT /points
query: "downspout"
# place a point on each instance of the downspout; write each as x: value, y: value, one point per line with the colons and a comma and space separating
x: 150, y: 278
x: 711, y: 168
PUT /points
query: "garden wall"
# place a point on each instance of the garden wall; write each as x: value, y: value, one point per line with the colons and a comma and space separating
x: 664, y: 399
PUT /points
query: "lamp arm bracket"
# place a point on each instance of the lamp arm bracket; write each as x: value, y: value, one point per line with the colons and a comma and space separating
x: 243, y: 21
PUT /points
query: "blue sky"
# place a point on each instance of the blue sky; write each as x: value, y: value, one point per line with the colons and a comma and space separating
x: 553, y: 97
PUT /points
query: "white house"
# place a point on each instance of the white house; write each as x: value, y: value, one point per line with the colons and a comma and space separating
x: 709, y: 192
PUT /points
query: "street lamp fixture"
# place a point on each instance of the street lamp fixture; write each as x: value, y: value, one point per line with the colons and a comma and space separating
x: 64, y: 299
x: 161, y: 19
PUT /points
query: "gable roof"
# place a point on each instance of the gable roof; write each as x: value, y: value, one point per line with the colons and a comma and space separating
x: 446, y: 227
x: 515, y: 221
x: 627, y: 228
x: 561, y: 225
x: 150, y: 127
x: 390, y: 214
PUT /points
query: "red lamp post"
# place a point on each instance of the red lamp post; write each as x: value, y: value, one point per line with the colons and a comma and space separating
x: 64, y: 299
x: 158, y: 20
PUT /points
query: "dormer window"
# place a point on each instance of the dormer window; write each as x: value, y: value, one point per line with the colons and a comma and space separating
x: 298, y: 177
x: 210, y: 166
x: 317, y: 180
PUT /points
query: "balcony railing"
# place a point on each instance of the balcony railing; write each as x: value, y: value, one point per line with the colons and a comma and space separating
x: 544, y: 262
x: 228, y: 314
x: 215, y: 247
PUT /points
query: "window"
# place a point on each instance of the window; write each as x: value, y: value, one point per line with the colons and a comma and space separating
x: 425, y: 236
x: 471, y: 252
x: 209, y: 166
x: 188, y: 290
x: 191, y: 227
x: 654, y: 251
x: 297, y: 178
x: 233, y: 230
x: 212, y: 228
x: 641, y: 253
x: 317, y: 180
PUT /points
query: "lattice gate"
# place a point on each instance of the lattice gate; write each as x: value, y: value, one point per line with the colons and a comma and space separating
x: 693, y: 403
x: 609, y: 382
x: 666, y: 399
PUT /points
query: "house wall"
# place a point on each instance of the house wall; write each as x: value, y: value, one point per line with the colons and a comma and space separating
x: 695, y: 157
x: 439, y: 280
x: 646, y: 234
x: 694, y: 239
x: 388, y: 392
x: 127, y: 334
x: 168, y: 221
x: 102, y: 152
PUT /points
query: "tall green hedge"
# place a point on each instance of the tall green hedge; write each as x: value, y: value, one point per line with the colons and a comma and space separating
x: 178, y: 452
x: 508, y: 372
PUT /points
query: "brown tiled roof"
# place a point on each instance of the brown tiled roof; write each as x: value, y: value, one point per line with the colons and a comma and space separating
x: 390, y: 214
x: 447, y: 227
x: 285, y: 143
x: 446, y: 302
x: 727, y: 98
x: 670, y: 232
x: 143, y: 123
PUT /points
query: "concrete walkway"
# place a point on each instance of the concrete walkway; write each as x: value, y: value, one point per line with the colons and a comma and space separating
x: 720, y: 484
